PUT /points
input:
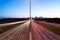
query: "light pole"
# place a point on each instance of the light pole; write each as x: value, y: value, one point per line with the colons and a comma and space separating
x: 30, y: 9
x: 30, y: 13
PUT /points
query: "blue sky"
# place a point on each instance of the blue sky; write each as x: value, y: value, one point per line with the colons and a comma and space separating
x: 20, y: 8
x: 14, y: 8
x: 46, y: 8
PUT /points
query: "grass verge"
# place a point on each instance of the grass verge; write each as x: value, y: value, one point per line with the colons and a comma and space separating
x: 4, y: 29
x: 52, y: 28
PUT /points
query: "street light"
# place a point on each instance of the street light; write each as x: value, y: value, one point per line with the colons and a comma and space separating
x: 30, y: 9
x: 30, y: 13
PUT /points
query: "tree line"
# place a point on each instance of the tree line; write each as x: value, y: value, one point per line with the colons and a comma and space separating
x: 8, y: 20
x: 52, y: 20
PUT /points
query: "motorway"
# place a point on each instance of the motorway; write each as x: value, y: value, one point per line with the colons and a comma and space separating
x: 40, y: 33
x: 18, y: 33
x: 24, y: 32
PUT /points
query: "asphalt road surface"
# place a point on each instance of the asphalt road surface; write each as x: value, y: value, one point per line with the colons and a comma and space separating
x: 24, y: 32
x: 40, y: 33
x: 18, y: 33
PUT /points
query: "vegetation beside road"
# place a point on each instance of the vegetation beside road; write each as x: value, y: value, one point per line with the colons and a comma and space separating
x: 52, y: 28
x: 4, y: 29
x: 51, y: 20
x: 9, y: 20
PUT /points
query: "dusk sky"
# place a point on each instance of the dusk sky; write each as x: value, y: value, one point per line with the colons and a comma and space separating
x: 20, y: 8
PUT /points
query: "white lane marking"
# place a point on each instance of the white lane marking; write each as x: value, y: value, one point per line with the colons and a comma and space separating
x: 30, y: 36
